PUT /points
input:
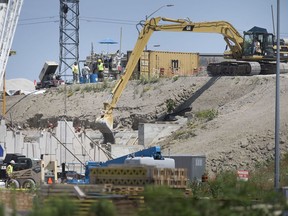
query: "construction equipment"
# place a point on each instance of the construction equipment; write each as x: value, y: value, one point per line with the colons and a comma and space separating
x: 9, y: 14
x: 47, y: 76
x: 242, y: 59
x: 151, y: 156
x: 26, y: 171
x: 113, y: 63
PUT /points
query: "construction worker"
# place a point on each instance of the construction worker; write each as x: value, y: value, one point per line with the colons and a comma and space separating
x: 75, y: 72
x: 100, y: 68
x: 85, y: 73
x: 257, y: 47
x: 9, y: 169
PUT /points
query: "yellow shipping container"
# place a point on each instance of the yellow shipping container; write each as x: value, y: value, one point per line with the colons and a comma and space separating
x: 168, y: 64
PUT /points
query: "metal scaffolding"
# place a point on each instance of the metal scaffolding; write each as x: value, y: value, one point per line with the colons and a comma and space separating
x: 69, y: 36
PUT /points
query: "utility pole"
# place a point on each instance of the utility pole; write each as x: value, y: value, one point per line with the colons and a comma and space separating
x: 148, y: 16
x: 277, y: 107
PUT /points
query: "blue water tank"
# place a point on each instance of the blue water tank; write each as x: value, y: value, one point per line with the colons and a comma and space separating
x: 93, y: 78
x: 1, y: 151
x: 81, y: 79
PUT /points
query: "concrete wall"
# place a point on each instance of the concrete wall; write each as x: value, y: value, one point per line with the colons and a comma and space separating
x: 42, y: 142
x: 65, y: 145
x: 149, y: 133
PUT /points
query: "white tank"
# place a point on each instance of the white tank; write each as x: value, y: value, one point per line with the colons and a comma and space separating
x: 285, y: 41
x: 150, y: 161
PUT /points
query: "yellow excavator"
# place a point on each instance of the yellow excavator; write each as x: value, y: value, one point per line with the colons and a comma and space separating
x: 251, y: 54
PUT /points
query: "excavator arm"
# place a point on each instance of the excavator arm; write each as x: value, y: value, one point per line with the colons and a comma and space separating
x: 231, y: 36
x: 233, y: 39
x: 105, y: 122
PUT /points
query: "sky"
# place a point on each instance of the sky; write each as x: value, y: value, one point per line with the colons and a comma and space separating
x: 36, y: 38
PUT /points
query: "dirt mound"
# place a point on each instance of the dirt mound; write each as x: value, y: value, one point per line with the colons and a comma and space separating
x: 241, y: 135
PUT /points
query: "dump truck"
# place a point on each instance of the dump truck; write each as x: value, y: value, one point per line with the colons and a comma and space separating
x: 47, y: 76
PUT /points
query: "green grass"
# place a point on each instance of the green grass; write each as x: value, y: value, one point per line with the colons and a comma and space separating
x: 183, y: 134
x: 170, y: 105
x: 102, y: 208
x: 198, y: 121
x: 56, y: 206
x: 206, y: 115
x: 2, y: 212
x: 175, y: 78
x: 85, y: 88
x: 146, y: 80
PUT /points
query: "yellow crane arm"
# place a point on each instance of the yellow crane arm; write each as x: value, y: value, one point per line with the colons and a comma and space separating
x: 232, y: 37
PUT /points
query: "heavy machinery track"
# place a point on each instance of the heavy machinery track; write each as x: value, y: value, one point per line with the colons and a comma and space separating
x: 234, y: 68
x: 244, y: 68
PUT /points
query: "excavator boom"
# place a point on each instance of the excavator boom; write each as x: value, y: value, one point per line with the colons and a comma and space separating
x: 231, y: 36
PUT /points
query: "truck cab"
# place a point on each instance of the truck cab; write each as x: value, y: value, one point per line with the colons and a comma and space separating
x: 10, y: 156
x: 26, y: 171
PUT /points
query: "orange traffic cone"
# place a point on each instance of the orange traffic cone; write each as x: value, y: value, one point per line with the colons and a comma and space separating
x: 50, y: 181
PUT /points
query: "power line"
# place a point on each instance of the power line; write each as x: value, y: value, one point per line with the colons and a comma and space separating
x: 87, y: 19
x: 41, y: 22
x: 57, y: 21
x: 30, y: 21
x: 37, y: 18
x: 109, y: 22
x: 109, y: 19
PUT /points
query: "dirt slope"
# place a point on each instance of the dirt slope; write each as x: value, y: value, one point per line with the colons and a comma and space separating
x: 240, y: 136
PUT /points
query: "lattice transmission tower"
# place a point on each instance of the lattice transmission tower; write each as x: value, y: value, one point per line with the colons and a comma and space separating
x: 69, y: 36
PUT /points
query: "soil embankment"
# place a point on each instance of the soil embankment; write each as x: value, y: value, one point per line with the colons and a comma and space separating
x: 241, y: 135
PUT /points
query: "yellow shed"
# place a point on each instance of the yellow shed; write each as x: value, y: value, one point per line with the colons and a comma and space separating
x: 168, y: 64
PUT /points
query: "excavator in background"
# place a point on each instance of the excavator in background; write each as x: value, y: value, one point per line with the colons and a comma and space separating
x: 251, y: 54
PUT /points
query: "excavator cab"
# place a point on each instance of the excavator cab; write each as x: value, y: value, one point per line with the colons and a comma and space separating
x: 258, y: 44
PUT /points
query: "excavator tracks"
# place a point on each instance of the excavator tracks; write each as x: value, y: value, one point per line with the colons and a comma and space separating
x: 244, y: 68
x: 271, y: 68
x: 234, y: 68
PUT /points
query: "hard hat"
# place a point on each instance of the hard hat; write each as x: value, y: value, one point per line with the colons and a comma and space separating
x: 12, y: 162
x: 99, y: 60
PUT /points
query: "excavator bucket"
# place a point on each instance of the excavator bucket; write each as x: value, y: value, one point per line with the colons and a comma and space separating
x: 105, y: 124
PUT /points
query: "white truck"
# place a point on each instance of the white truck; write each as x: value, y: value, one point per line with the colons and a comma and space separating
x: 47, y: 76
